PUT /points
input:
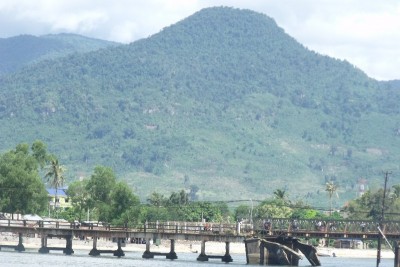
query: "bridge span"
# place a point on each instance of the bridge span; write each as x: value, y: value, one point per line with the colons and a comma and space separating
x: 193, y: 231
x: 204, y: 232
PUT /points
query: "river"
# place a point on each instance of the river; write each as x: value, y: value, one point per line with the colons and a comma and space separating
x: 32, y: 258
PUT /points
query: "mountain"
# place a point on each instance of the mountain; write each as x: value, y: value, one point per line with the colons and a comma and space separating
x: 17, y: 52
x: 223, y: 102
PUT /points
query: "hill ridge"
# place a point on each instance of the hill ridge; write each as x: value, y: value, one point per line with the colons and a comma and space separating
x: 226, y: 110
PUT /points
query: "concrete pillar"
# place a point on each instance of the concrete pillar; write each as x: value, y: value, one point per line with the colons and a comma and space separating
x: 227, y: 257
x: 44, y: 249
x: 94, y: 251
x: 203, y: 256
x: 119, y: 252
x: 20, y: 247
x: 172, y: 255
x: 68, y: 247
x: 396, y: 255
x: 262, y: 255
x: 147, y: 254
x: 237, y: 228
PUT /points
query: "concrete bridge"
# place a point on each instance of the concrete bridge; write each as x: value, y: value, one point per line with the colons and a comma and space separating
x: 193, y: 231
x: 334, y: 229
x: 172, y: 231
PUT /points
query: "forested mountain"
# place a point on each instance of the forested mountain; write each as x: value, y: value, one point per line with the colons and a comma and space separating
x: 17, y: 52
x: 223, y: 102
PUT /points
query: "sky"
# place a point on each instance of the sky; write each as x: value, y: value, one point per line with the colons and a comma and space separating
x: 366, y: 33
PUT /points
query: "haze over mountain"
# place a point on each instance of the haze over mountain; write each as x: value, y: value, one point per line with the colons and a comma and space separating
x: 224, y: 102
x: 19, y: 51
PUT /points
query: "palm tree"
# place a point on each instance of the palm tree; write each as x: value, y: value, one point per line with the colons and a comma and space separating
x: 331, y: 189
x: 280, y: 194
x: 55, y: 177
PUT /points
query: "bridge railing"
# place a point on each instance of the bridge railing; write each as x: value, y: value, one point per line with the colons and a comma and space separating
x: 39, y: 224
x: 266, y: 226
x: 277, y: 225
x: 175, y: 227
x: 192, y: 228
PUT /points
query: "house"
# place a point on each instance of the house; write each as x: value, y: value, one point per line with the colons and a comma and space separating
x: 63, y: 202
x: 348, y: 243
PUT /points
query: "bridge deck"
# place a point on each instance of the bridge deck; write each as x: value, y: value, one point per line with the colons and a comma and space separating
x: 210, y: 231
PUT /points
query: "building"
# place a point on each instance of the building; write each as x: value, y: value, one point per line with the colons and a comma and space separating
x: 63, y: 202
x: 348, y: 243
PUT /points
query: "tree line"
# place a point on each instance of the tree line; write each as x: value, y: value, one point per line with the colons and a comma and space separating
x: 27, y: 170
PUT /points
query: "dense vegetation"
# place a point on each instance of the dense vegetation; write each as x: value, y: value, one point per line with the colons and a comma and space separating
x: 223, y: 103
x: 17, y: 52
x: 26, y: 170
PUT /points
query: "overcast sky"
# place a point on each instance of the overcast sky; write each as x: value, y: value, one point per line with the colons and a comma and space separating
x: 364, y: 32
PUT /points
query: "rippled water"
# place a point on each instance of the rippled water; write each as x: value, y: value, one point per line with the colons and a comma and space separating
x: 81, y: 258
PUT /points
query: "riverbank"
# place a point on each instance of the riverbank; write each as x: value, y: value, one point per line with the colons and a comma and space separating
x: 354, y: 253
x: 181, y: 246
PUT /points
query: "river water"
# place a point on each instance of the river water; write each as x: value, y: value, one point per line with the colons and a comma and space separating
x: 32, y: 258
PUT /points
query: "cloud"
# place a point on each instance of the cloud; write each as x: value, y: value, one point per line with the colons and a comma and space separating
x: 365, y: 32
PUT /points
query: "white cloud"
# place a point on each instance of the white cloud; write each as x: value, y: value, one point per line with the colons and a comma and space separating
x: 365, y: 32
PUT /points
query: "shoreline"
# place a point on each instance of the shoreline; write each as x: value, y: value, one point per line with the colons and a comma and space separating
x: 182, y: 246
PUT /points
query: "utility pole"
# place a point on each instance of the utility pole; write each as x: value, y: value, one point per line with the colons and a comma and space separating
x: 380, y: 226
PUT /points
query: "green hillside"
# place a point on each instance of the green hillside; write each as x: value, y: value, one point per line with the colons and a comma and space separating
x: 20, y: 51
x: 224, y: 101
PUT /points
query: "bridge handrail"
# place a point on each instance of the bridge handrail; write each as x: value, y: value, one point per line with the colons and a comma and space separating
x: 276, y: 225
x: 343, y: 226
x: 151, y: 227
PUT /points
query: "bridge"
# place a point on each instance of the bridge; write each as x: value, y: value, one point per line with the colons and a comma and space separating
x: 172, y: 231
x: 334, y: 229
x: 193, y: 231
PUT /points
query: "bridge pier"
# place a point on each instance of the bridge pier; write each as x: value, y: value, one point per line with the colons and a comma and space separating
x: 172, y: 255
x: 150, y: 255
x: 396, y: 255
x: 44, y: 249
x: 94, y: 251
x: 227, y: 257
x: 119, y: 252
x: 20, y: 247
x: 204, y: 257
x: 68, y: 246
x: 147, y: 254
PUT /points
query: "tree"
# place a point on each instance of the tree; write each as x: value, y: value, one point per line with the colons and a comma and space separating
x: 21, y: 188
x: 242, y: 212
x: 55, y: 177
x: 157, y: 199
x: 280, y: 194
x: 178, y: 198
x: 369, y: 205
x: 80, y: 198
x: 99, y: 187
x: 122, y: 200
x: 39, y: 152
x: 331, y: 189
x: 273, y: 209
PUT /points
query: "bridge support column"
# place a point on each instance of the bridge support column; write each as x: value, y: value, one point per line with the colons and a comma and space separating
x: 20, y: 247
x: 147, y: 254
x: 94, y: 251
x: 227, y: 257
x: 397, y: 255
x: 172, y: 255
x: 68, y: 247
x: 119, y: 252
x: 203, y: 256
x: 262, y: 254
x: 44, y: 249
